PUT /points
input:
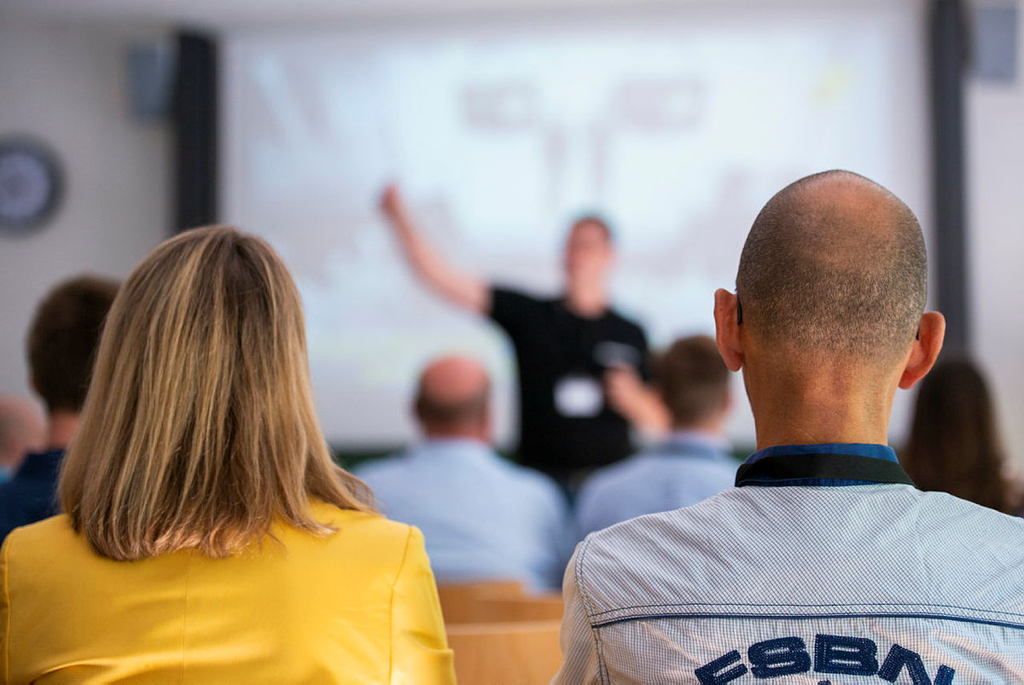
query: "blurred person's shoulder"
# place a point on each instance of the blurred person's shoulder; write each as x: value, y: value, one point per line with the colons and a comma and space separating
x: 10, y: 499
x: 608, y: 479
x: 651, y: 467
x: 378, y: 466
x: 531, y: 480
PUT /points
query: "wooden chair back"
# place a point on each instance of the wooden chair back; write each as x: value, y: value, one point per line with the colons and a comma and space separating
x: 459, y: 600
x: 517, y: 653
x: 505, y: 609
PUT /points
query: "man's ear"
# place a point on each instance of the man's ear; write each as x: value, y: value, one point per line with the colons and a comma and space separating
x: 727, y: 329
x: 925, y: 349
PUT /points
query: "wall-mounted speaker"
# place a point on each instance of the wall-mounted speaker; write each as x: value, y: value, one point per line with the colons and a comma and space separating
x: 151, y: 69
x: 996, y: 41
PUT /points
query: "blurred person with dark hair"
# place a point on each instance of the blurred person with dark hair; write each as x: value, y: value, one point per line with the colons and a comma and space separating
x: 579, y: 361
x: 22, y: 430
x: 482, y: 517
x: 824, y: 564
x: 208, y: 536
x: 62, y: 342
x: 954, y: 443
x: 693, y: 464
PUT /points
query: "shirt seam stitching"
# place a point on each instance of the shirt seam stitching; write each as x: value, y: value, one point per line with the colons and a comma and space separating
x: 391, y: 604
x: 769, y: 616
x: 599, y: 648
x: 805, y: 606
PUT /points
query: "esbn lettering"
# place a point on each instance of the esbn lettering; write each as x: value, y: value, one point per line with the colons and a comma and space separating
x: 837, y: 654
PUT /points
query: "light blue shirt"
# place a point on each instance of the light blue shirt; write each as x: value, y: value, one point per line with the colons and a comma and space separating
x: 482, y: 517
x: 688, y: 468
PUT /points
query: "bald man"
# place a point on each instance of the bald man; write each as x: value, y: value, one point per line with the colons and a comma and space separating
x: 22, y: 430
x: 824, y: 564
x: 482, y: 517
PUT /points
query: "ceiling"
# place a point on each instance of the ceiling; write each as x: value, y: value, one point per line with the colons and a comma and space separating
x: 228, y: 13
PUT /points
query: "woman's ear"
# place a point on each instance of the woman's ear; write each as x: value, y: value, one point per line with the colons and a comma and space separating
x: 727, y: 329
x: 925, y: 349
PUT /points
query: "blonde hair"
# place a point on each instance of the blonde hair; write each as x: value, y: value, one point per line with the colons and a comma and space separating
x: 199, y: 427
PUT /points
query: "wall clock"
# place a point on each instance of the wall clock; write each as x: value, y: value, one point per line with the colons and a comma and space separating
x: 31, y: 182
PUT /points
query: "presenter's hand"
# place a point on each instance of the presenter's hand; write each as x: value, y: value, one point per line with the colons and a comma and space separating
x: 393, y: 206
x: 431, y: 268
x: 624, y: 390
x: 629, y: 396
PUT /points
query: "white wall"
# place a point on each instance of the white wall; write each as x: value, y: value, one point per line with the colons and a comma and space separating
x: 66, y: 85
x: 995, y: 140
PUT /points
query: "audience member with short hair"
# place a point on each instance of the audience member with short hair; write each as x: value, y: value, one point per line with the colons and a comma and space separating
x: 825, y: 561
x: 62, y: 342
x: 954, y: 443
x: 208, y: 536
x: 22, y: 430
x: 483, y: 517
x: 693, y: 464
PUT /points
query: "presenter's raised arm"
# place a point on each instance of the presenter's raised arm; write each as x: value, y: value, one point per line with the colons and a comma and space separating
x: 464, y: 290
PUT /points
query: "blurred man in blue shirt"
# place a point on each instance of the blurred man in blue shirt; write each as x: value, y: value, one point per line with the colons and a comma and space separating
x: 483, y: 518
x: 693, y: 464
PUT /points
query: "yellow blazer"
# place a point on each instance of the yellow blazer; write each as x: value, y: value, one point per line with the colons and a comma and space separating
x: 357, y: 607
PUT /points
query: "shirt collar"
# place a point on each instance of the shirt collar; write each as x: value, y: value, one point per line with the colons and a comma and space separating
x: 434, y: 448
x: 692, y: 442
x: 828, y: 464
x: 855, y: 448
x: 40, y: 464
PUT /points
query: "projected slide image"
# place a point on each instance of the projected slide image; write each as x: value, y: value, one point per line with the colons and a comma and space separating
x: 675, y: 131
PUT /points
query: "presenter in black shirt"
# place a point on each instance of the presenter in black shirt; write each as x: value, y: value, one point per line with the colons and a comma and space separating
x: 581, y: 365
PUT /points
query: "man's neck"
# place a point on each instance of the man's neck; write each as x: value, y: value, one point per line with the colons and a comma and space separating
x: 61, y: 429
x: 588, y: 302
x: 807, y: 421
x: 832, y: 406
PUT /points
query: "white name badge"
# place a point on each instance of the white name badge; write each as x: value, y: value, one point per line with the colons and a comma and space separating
x: 579, y: 397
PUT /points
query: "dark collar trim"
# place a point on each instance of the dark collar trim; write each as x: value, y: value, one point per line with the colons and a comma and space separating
x: 820, y: 469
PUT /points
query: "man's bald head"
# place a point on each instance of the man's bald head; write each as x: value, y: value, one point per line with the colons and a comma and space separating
x: 453, y: 398
x: 834, y: 263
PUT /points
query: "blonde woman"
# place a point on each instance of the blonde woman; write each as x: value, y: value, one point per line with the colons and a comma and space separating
x: 208, y: 536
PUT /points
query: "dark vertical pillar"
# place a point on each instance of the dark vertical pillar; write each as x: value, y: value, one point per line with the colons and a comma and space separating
x: 948, y: 37
x: 195, y: 131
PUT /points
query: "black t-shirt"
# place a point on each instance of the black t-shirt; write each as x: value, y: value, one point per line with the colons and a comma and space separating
x: 564, y: 421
